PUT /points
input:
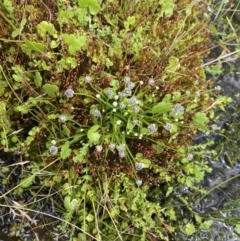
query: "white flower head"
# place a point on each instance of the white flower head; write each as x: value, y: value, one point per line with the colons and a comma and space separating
x: 152, y: 128
x: 99, y: 148
x: 218, y: 88
x: 121, y: 150
x: 141, y: 82
x: 131, y: 85
x: 115, y: 104
x: 88, y: 79
x: 214, y: 127
x: 139, y: 166
x: 168, y: 127
x: 133, y: 100
x: 53, y: 150
x: 122, y: 105
x: 190, y: 156
x: 136, y: 108
x: 151, y: 81
x: 127, y: 92
x: 98, y: 96
x: 62, y: 118
x: 139, y: 183
x: 119, y: 122
x: 135, y: 122
x: 126, y: 80
x: 53, y: 142
x: 69, y: 93
x: 97, y: 113
x: 111, y: 146
x: 197, y: 93
x: 109, y: 93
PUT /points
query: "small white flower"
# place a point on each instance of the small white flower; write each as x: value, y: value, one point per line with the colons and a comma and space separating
x: 81, y: 129
x: 152, y: 127
x: 135, y: 122
x: 157, y: 87
x: 135, y: 134
x: 53, y: 150
x: 115, y: 104
x: 97, y: 113
x: 62, y: 118
x: 139, y: 166
x: 131, y: 85
x: 99, y: 148
x: 121, y: 150
x: 111, y: 146
x: 126, y: 80
x: 133, y: 100
x: 122, y: 105
x: 190, y: 156
x: 127, y: 92
x: 114, y: 110
x: 88, y: 79
x: 69, y: 93
x: 136, y: 109
x: 214, y: 127
x: 197, y: 93
x: 116, y: 97
x: 141, y: 82
x: 109, y: 93
x: 139, y: 183
x: 168, y: 127
x: 53, y: 142
x: 98, y: 96
x: 151, y: 81
x: 218, y: 88
x: 119, y: 122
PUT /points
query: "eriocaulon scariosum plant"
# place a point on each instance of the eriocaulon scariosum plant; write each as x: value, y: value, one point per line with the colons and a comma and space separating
x: 106, y: 96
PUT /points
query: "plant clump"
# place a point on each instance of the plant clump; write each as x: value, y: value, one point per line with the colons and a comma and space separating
x: 106, y: 95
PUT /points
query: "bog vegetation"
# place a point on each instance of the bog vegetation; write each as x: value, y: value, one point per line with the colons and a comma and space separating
x: 103, y: 99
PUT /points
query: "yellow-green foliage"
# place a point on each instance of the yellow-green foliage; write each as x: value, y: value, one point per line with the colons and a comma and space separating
x: 67, y: 70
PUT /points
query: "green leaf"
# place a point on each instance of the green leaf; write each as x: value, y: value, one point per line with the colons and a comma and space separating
x: 19, y: 73
x: 237, y: 228
x: 66, y: 130
x: 38, y: 79
x: 19, y: 30
x: 27, y: 181
x: 189, y: 229
x: 7, y: 4
x: 201, y: 120
x: 50, y: 90
x: 65, y: 151
x: 70, y: 205
x: 173, y: 64
x: 81, y: 153
x: 206, y: 224
x: 167, y: 7
x: 75, y: 43
x: 30, y: 46
x: 92, y: 135
x: 90, y: 217
x: 93, y: 5
x: 161, y: 108
x: 130, y: 22
x: 44, y: 27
